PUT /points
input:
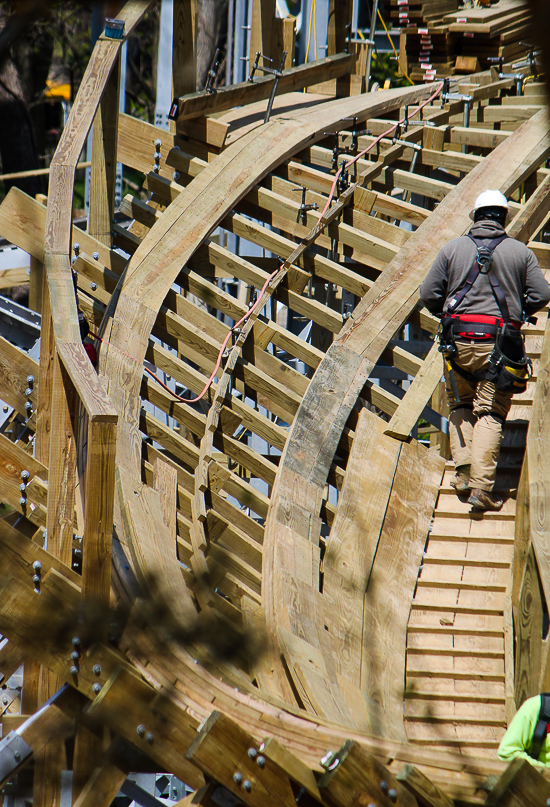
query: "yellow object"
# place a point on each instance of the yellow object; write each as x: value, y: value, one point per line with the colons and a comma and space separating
x: 394, y: 50
x: 56, y: 90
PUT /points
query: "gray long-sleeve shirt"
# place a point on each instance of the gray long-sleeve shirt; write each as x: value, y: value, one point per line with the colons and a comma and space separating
x: 514, y: 265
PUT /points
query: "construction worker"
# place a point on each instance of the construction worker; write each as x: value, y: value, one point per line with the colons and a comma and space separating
x: 483, y: 285
x: 527, y: 734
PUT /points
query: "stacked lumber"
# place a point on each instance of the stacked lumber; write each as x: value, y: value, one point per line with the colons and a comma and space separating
x: 417, y: 12
x: 464, y: 40
x: 493, y: 32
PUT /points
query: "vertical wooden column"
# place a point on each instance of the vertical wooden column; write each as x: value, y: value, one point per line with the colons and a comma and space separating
x: 283, y: 38
x: 263, y: 14
x: 184, y: 50
x: 103, y: 170
x: 36, y: 279
x: 339, y: 15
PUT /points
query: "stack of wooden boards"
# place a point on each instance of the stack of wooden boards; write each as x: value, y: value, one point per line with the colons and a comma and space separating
x: 464, y: 40
x: 417, y: 12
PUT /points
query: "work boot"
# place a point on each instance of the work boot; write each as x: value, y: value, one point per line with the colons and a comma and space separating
x: 461, y: 480
x: 485, y: 500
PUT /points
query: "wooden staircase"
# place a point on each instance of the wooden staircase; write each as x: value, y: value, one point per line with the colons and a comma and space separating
x: 459, y: 656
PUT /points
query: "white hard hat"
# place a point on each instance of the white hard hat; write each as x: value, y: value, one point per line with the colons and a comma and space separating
x: 489, y: 199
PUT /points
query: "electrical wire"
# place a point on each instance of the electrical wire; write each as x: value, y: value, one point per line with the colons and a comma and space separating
x: 313, y: 9
x: 393, y: 48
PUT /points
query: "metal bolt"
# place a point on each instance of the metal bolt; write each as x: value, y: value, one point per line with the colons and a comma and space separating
x: 16, y: 755
x: 73, y: 670
x: 22, y: 487
x: 28, y: 392
x: 384, y: 787
x: 156, y: 169
x: 176, y: 176
x: 392, y: 794
x: 93, y: 286
x: 22, y: 501
x: 150, y: 737
x: 5, y: 407
x: 75, y: 655
x: 30, y: 379
x: 97, y: 669
x: 28, y: 406
x: 252, y: 753
x: 76, y: 248
x: 261, y: 761
x: 247, y: 785
x: 37, y: 566
x: 5, y: 700
x: 97, y: 688
x: 141, y: 730
x: 75, y: 641
x: 95, y: 256
x: 25, y: 475
x: 36, y: 579
x: 158, y: 144
x: 237, y: 778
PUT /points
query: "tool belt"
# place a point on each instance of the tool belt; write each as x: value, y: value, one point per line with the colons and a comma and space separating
x: 470, y: 326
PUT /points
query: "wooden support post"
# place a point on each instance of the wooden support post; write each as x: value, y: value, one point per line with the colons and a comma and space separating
x: 36, y: 279
x: 229, y: 755
x: 283, y: 38
x: 521, y: 785
x: 103, y: 172
x: 263, y: 14
x: 184, y: 49
x: 339, y: 15
x: 359, y: 778
x: 427, y: 793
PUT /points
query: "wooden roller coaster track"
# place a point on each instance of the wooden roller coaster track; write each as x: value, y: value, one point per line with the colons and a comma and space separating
x: 296, y: 512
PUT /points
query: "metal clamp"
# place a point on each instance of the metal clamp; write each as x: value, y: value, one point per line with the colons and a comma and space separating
x: 212, y: 74
x: 302, y: 215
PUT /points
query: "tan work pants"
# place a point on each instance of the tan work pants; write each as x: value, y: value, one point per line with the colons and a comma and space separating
x: 474, y: 431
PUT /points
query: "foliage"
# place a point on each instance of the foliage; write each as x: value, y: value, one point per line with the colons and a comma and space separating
x: 384, y: 66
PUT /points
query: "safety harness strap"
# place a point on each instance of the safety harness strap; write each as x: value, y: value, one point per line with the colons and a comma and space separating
x: 541, y: 728
x: 482, y: 262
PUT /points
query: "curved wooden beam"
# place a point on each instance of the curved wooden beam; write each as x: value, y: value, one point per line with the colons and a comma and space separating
x: 293, y: 524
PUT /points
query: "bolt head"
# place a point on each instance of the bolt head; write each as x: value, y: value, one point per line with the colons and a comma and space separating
x: 37, y: 565
x: 75, y: 641
x: 22, y: 487
x: 97, y: 688
x: 252, y: 753
x: 25, y: 475
x: 149, y: 737
x: 5, y: 700
x: 392, y: 794
x: 176, y: 176
x: 22, y: 501
x: 5, y: 407
x: 260, y: 761
x: 384, y: 787
x: 158, y: 144
x: 36, y: 579
x: 97, y: 669
x: 156, y: 169
x: 76, y: 247
x: 247, y: 785
x: 237, y: 778
x: 30, y: 379
x: 75, y: 655
x: 93, y: 286
x: 95, y: 256
x: 28, y: 392
x: 141, y: 730
x: 16, y: 755
x: 73, y: 670
x: 28, y: 406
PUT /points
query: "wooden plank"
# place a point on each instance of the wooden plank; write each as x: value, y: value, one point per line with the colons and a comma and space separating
x: 521, y: 785
x: 426, y: 792
x: 352, y: 546
x: 409, y: 514
x: 263, y: 14
x: 417, y: 397
x: 296, y: 78
x: 184, y: 47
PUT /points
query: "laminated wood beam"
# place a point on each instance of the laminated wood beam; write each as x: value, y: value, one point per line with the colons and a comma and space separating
x: 295, y: 78
x: 309, y: 450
